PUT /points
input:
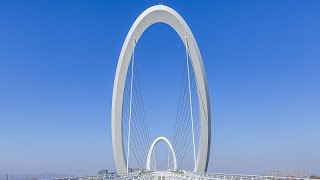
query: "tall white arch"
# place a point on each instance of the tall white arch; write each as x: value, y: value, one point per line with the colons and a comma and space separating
x: 155, y: 142
x: 164, y: 14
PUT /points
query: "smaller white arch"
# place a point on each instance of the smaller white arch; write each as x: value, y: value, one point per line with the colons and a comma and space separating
x: 155, y: 142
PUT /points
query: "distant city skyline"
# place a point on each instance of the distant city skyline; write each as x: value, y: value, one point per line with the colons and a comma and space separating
x: 58, y: 61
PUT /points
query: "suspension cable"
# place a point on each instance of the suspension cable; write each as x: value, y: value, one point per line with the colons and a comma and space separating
x: 130, y: 116
x: 133, y: 133
x: 183, y: 118
x: 135, y: 137
x: 186, y: 145
x: 180, y: 109
x: 141, y: 115
x: 184, y: 136
x: 190, y: 103
x: 138, y: 115
x: 185, y: 115
x: 139, y: 122
x: 134, y: 153
x: 144, y: 112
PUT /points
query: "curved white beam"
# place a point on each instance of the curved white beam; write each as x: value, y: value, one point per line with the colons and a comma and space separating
x: 164, y: 14
x: 155, y: 142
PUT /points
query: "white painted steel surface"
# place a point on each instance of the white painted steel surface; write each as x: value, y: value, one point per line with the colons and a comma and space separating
x: 155, y: 142
x: 164, y: 14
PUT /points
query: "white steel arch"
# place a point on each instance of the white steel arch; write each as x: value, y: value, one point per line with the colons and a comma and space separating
x: 164, y: 14
x: 155, y: 142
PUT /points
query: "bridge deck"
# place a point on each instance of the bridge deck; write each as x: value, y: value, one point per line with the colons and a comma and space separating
x: 177, y: 175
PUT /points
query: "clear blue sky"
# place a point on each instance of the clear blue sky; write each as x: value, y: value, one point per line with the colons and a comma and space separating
x: 58, y: 60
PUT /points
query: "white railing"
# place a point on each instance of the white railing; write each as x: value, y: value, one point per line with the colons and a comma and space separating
x: 141, y: 175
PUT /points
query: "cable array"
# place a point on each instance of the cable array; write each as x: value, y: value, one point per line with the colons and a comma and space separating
x: 187, y: 123
x: 136, y: 132
x: 187, y: 113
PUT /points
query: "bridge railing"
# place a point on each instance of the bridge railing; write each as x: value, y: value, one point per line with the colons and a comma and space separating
x: 222, y: 176
x: 175, y: 175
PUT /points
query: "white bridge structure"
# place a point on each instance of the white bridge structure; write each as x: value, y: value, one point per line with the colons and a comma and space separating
x: 152, y: 148
x: 130, y: 134
x: 152, y: 15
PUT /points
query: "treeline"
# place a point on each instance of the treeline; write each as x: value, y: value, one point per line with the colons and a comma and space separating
x: 314, y: 177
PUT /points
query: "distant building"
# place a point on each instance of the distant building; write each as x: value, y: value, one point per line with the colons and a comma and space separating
x: 297, y: 174
x: 102, y: 172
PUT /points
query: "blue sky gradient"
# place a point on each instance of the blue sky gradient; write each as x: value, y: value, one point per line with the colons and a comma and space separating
x: 58, y: 60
